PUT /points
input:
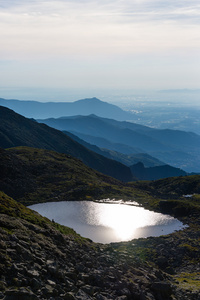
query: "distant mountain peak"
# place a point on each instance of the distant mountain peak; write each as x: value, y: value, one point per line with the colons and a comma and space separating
x: 94, y: 116
x: 84, y: 107
x: 90, y: 99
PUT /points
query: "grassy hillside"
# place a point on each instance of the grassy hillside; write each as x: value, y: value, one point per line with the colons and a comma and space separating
x: 33, y: 175
x: 174, y: 187
x: 14, y: 209
x: 180, y: 195
x: 16, y: 130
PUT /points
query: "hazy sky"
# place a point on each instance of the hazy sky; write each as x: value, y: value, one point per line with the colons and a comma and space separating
x: 118, y: 44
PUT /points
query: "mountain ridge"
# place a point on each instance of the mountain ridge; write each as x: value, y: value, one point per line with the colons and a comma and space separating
x: 154, y: 173
x: 174, y: 147
x: 87, y: 106
x: 127, y: 160
x: 16, y: 130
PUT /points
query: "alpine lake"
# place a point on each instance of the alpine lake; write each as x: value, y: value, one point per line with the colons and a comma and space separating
x: 107, y: 221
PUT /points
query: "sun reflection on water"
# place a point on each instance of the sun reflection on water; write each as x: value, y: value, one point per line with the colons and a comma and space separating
x: 106, y: 222
x: 123, y: 219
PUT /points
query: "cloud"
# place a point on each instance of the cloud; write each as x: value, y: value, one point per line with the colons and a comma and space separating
x: 38, y: 28
x: 139, y: 9
x: 79, y: 36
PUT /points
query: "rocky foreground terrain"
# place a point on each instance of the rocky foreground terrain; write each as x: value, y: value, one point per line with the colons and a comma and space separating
x: 40, y: 259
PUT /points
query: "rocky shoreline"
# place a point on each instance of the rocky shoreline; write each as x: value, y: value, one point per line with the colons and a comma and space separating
x: 40, y: 259
x: 42, y: 263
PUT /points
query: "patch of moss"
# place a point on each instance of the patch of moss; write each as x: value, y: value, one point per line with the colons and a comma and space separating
x: 14, y: 209
x: 7, y: 230
x: 188, y: 247
x: 189, y: 281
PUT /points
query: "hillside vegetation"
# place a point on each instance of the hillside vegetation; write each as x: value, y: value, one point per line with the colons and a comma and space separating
x: 180, y: 195
x: 174, y: 187
x: 33, y: 175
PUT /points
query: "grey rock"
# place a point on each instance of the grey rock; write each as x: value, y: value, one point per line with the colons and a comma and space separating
x: 69, y: 296
x: 35, y: 284
x: 81, y: 295
x: 88, y: 289
x: 21, y: 294
x: 33, y: 273
x: 163, y: 289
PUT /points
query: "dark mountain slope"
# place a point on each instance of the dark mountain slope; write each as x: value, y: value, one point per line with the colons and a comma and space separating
x: 127, y: 160
x: 35, y: 109
x: 16, y: 130
x: 142, y: 165
x: 32, y: 175
x: 154, y: 173
x: 127, y: 133
x: 177, y: 148
x: 104, y: 143
x: 176, y: 138
x: 99, y: 127
x: 173, y: 138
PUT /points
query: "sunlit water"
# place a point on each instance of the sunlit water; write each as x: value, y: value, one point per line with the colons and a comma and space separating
x: 106, y: 222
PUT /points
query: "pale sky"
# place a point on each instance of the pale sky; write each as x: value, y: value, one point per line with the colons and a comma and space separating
x: 114, y: 44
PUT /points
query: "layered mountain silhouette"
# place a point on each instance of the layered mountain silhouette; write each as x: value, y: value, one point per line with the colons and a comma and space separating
x: 109, y: 129
x: 16, y: 130
x: 35, y: 109
x: 154, y: 173
x: 177, y: 148
x: 142, y: 165
x: 106, y: 144
x: 125, y: 159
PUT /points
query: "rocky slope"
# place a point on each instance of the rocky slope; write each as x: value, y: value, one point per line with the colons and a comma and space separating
x: 40, y: 259
x: 43, y: 260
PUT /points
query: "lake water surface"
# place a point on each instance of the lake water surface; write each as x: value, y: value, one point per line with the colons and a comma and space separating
x: 108, y: 222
